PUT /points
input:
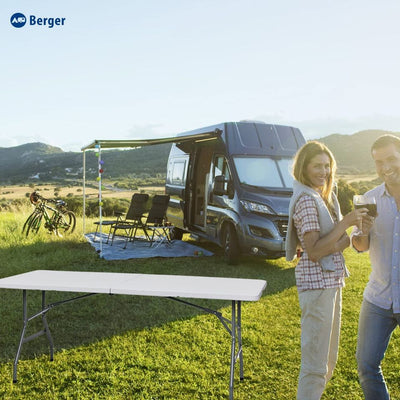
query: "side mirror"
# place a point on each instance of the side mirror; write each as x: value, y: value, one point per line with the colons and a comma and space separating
x: 222, y: 186
x: 219, y: 185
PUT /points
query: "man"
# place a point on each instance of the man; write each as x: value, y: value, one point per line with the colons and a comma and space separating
x: 380, y: 310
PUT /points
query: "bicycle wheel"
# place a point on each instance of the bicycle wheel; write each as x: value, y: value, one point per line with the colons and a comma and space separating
x: 28, y: 221
x: 65, y: 223
x: 34, y: 224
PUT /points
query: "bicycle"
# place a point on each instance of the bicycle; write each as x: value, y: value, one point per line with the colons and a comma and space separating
x: 57, y: 219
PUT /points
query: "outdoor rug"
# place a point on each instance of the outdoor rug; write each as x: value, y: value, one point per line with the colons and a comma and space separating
x: 142, y: 249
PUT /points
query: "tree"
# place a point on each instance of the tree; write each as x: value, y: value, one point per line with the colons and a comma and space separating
x: 345, y: 196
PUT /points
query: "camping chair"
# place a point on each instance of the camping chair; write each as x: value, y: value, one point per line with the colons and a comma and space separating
x: 157, y: 221
x: 109, y: 223
x: 133, y: 219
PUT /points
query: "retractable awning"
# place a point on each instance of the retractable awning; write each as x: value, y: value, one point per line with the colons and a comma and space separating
x: 99, y: 145
x: 115, y: 144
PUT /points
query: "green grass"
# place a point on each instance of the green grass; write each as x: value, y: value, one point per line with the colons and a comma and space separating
x: 132, y: 347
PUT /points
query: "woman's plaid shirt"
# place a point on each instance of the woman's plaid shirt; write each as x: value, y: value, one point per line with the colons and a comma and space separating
x: 309, y: 274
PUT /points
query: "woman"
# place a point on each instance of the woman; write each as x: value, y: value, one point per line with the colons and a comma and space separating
x: 317, y: 228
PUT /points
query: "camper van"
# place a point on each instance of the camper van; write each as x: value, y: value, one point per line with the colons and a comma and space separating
x: 231, y: 184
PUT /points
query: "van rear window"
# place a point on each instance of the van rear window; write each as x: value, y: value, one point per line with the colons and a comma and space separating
x: 178, y: 172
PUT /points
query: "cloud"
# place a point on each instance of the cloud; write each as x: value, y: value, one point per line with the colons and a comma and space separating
x: 146, y: 131
x: 12, y: 141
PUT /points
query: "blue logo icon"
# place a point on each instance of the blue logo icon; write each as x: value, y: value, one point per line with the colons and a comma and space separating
x: 18, y: 20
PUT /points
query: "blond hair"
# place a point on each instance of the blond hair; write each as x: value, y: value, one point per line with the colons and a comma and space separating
x: 301, y: 160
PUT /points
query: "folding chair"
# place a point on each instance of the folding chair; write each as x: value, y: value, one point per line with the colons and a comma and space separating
x: 133, y: 220
x: 157, y: 220
x: 109, y: 223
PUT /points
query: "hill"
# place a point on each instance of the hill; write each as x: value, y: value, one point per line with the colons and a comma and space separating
x: 38, y: 161
x: 352, y: 152
x: 13, y: 158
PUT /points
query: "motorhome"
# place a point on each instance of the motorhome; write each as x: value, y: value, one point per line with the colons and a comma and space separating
x: 232, y: 186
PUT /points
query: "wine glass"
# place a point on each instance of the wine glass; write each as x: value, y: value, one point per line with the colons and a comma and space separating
x: 361, y: 201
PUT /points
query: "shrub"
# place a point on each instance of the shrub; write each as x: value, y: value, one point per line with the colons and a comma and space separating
x: 345, y: 196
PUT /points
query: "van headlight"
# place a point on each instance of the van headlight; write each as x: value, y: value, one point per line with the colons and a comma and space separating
x: 250, y: 206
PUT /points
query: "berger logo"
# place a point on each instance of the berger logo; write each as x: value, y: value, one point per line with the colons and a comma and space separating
x: 18, y: 20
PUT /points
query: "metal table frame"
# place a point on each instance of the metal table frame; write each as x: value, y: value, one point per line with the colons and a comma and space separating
x: 233, y: 327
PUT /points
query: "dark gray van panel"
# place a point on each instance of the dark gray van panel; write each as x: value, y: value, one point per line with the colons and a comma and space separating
x: 258, y: 138
x: 253, y: 218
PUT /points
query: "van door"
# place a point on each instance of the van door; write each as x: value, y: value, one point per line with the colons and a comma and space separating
x: 220, y: 203
x: 198, y: 187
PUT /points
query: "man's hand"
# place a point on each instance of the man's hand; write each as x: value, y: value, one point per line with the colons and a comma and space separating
x: 367, y: 222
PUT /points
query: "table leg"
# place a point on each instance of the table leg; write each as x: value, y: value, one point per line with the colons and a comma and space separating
x: 236, y: 342
x: 26, y: 320
x: 46, y: 326
x: 45, y: 331
x: 21, y: 341
x: 239, y: 334
x: 234, y: 330
x: 233, y: 350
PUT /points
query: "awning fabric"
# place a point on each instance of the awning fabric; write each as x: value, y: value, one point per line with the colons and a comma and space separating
x: 114, y: 144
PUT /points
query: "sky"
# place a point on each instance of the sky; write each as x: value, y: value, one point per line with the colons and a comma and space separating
x: 131, y: 69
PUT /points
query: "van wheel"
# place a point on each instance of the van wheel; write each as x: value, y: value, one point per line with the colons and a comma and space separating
x: 176, y: 234
x: 230, y: 245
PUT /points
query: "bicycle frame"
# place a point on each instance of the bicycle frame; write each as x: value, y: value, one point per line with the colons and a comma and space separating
x: 55, y: 219
x: 50, y: 220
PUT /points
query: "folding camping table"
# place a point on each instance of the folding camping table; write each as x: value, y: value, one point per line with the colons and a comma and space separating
x: 174, y: 287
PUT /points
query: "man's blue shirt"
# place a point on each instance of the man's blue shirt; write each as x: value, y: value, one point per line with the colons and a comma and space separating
x: 383, y: 288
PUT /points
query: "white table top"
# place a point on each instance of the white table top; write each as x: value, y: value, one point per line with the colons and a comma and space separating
x: 138, y: 284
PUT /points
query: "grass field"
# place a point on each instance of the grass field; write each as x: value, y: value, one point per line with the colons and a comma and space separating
x: 349, y: 178
x: 19, y: 192
x: 47, y: 190
x: 132, y: 347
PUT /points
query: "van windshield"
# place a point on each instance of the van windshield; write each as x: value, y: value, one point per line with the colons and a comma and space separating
x: 264, y: 171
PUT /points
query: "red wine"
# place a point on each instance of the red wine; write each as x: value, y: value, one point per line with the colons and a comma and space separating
x: 371, y: 208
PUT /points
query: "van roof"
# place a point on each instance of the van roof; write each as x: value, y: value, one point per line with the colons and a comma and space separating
x: 261, y: 138
x: 256, y: 137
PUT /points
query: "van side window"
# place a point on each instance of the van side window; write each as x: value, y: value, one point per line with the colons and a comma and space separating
x: 178, y: 171
x: 221, y: 168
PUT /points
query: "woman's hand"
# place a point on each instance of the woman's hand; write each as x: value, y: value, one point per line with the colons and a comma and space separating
x: 355, y: 217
